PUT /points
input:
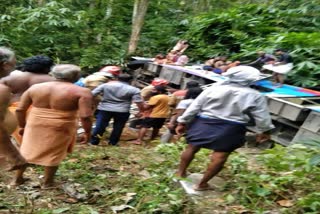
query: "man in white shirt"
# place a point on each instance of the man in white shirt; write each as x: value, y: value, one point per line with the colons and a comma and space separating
x: 217, y: 120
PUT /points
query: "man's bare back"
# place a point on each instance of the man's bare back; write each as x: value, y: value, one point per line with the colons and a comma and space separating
x: 46, y: 99
x: 59, y: 95
x: 21, y: 81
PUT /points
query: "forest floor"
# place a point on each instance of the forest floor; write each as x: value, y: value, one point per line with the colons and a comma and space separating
x: 137, y: 179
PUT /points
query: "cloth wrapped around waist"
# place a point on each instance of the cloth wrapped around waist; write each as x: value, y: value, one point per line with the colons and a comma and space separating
x: 15, y: 134
x: 49, y: 135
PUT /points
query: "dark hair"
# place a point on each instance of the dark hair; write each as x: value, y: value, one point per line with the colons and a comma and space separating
x: 192, y: 93
x: 125, y: 77
x: 192, y: 84
x: 160, y: 56
x: 160, y: 88
x: 37, y: 64
x: 278, y: 49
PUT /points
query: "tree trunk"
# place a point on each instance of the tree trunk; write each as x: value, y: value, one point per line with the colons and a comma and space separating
x: 139, y: 11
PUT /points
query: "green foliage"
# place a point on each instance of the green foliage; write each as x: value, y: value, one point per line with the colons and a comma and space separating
x: 282, y: 173
x: 94, y: 33
x: 240, y: 32
x: 67, y: 33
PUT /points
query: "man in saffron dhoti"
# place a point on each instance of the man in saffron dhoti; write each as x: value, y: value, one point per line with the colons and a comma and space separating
x: 49, y: 132
x: 10, y: 157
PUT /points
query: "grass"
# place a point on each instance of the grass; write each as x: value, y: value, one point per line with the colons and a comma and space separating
x: 139, y: 179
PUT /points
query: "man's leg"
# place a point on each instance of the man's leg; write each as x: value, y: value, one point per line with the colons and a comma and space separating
x: 120, y: 120
x: 185, y: 159
x: 18, y: 179
x: 155, y: 132
x: 275, y: 77
x: 217, y: 161
x: 102, y: 122
x: 142, y: 133
x: 11, y: 156
x: 158, y: 123
x: 281, y: 78
x: 49, y: 172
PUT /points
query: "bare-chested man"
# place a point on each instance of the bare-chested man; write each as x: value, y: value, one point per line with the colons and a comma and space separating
x: 9, y: 155
x: 34, y: 70
x: 49, y: 132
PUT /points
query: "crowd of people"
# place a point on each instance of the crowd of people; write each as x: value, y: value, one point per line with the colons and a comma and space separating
x: 49, y: 99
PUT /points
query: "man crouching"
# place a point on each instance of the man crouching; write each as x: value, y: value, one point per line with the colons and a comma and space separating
x: 49, y: 132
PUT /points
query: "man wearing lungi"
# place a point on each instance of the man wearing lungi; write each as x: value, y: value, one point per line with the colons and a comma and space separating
x: 49, y: 132
x: 217, y: 120
x: 10, y: 157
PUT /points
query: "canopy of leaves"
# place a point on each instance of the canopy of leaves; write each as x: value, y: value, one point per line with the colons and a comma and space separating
x: 240, y: 32
x: 96, y: 32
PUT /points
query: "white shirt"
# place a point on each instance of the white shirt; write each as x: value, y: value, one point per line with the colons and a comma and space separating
x: 230, y: 102
x: 184, y: 104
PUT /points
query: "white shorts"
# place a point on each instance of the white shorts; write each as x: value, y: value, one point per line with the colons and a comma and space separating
x: 280, y: 69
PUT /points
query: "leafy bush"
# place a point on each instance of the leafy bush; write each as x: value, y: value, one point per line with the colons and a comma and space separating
x: 240, y: 32
x: 278, y: 177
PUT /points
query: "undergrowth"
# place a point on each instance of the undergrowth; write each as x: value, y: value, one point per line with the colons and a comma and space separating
x: 133, y: 179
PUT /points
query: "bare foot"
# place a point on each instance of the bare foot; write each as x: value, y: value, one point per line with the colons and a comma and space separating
x: 49, y: 185
x: 137, y: 142
x: 181, y: 175
x: 18, y: 181
x: 202, y: 187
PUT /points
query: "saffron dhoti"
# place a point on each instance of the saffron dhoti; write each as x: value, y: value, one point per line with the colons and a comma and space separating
x: 49, y: 135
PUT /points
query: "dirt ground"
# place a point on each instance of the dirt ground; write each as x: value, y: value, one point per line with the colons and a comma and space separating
x: 107, y: 179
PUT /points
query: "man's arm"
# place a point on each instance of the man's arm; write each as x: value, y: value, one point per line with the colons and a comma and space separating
x: 194, y: 108
x: 21, y: 111
x: 85, y: 112
x: 152, y: 102
x: 262, y: 119
x: 137, y: 99
x: 140, y: 106
x: 97, y: 90
x: 7, y: 149
x: 191, y: 112
x: 4, y: 101
x: 255, y: 62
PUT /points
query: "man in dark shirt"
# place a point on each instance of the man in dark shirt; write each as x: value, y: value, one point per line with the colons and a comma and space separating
x: 264, y: 58
x: 284, y: 58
